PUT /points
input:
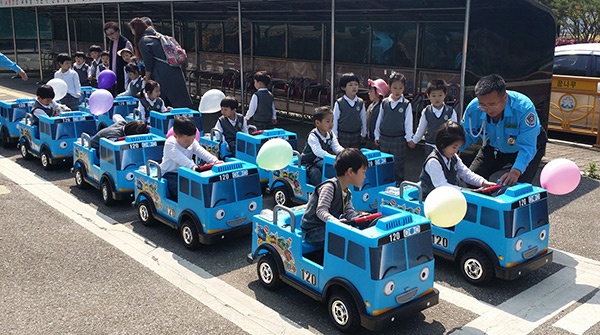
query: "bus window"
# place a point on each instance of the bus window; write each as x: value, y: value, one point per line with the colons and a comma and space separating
x: 356, y: 254
x: 218, y: 193
x: 539, y: 213
x: 471, y: 214
x: 385, y: 173
x: 130, y: 158
x: 419, y: 248
x: 351, y: 42
x: 393, y: 44
x: 241, y: 146
x: 269, y: 39
x: 184, y: 185
x: 389, y: 259
x: 247, y: 187
x: 88, y: 126
x: 442, y: 46
x: 490, y: 218
x: 154, y: 153
x: 196, y: 190
x: 304, y: 41
x: 336, y: 245
x: 18, y: 114
x: 107, y: 155
x: 370, y: 179
x: 517, y: 222
x: 63, y: 130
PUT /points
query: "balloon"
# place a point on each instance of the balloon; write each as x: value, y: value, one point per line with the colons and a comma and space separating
x: 275, y: 154
x: 560, y: 176
x: 59, y: 86
x: 211, y: 101
x: 106, y: 79
x: 101, y: 101
x: 170, y: 133
x: 445, y: 206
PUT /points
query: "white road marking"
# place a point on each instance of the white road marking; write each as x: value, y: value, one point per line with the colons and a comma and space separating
x: 582, y: 318
x: 244, y: 311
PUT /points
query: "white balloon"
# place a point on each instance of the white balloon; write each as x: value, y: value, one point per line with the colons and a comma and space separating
x: 59, y: 86
x: 445, y: 206
x: 211, y: 101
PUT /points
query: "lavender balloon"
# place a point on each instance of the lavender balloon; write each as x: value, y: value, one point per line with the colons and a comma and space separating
x: 106, y: 79
x: 101, y: 101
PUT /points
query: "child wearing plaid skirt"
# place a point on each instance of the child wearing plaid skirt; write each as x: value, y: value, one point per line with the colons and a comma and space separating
x: 349, y: 114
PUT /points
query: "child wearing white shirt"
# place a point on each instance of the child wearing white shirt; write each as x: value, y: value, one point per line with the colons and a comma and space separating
x: 71, y: 78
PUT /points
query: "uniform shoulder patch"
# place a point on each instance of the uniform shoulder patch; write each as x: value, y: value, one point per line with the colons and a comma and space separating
x: 530, y: 119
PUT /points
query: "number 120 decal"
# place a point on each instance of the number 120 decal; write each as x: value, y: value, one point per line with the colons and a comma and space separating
x: 438, y: 240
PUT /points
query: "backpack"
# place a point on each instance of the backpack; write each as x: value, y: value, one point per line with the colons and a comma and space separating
x: 175, y: 55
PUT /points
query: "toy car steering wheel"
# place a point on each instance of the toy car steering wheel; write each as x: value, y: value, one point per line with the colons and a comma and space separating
x: 205, y: 167
x: 365, y: 220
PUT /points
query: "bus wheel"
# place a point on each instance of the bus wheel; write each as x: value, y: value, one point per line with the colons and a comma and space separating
x: 45, y: 159
x: 189, y: 234
x: 145, y: 213
x: 476, y: 267
x: 25, y: 150
x: 282, y: 195
x: 107, y: 193
x: 4, y: 138
x: 268, y: 273
x: 343, y: 311
x: 80, y: 178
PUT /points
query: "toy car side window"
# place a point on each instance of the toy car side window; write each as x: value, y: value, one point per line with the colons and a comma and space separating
x: 356, y: 254
x: 241, y: 146
x: 336, y: 245
x: 490, y: 218
x: 196, y: 190
x: 471, y: 214
x: 184, y: 185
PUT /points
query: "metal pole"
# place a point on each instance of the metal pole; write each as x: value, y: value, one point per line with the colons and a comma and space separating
x: 241, y: 55
x: 119, y: 16
x: 103, y: 22
x: 172, y: 20
x: 14, y: 34
x: 463, y: 63
x: 331, y: 84
x: 75, y: 34
x: 39, y: 43
x: 416, y: 82
x: 68, y: 30
x: 322, y: 76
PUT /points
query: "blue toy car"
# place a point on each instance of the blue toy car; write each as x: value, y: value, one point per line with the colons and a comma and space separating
x: 368, y: 277
x: 290, y: 184
x: 215, y: 144
x: 11, y: 112
x: 111, y: 168
x: 86, y: 92
x: 160, y: 123
x: 52, y: 139
x: 504, y: 233
x: 210, y: 206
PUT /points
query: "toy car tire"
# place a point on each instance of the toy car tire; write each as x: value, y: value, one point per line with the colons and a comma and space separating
x: 145, y: 213
x: 107, y: 191
x: 343, y: 311
x: 4, y: 138
x: 282, y: 196
x: 25, y: 150
x: 189, y: 234
x: 80, y: 178
x: 268, y: 272
x: 476, y: 267
x: 45, y: 159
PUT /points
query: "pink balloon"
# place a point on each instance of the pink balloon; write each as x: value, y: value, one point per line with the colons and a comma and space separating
x: 170, y: 133
x: 106, y: 79
x: 560, y: 176
x: 101, y: 101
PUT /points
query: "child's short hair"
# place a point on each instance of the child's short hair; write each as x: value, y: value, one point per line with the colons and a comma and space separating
x: 448, y: 133
x: 397, y: 76
x: 346, y: 78
x: 95, y: 48
x: 104, y: 53
x: 132, y: 67
x: 136, y: 127
x: 183, y: 125
x: 263, y: 77
x: 45, y: 92
x: 79, y: 54
x: 150, y: 85
x: 321, y: 112
x: 63, y: 57
x: 229, y: 102
x: 437, y: 85
x: 349, y: 158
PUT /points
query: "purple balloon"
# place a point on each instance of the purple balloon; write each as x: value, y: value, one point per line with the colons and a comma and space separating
x: 101, y: 101
x: 106, y: 79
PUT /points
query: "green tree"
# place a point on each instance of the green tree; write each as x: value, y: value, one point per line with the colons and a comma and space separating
x: 579, y: 20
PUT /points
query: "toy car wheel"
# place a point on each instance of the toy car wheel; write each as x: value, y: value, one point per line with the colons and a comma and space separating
x: 80, y: 178
x: 25, y: 150
x: 268, y: 273
x: 282, y: 196
x: 107, y: 193
x: 476, y: 267
x: 4, y: 138
x: 45, y: 159
x: 343, y: 311
x: 145, y: 213
x: 189, y: 234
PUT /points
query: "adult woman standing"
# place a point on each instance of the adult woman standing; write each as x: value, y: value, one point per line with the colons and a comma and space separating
x: 147, y: 47
x: 117, y: 42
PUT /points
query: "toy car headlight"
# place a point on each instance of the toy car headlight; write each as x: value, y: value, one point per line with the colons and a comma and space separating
x: 129, y: 176
x: 389, y: 287
x: 252, y: 206
x: 220, y: 214
x: 63, y: 145
x: 543, y: 234
x: 365, y: 197
x: 424, y: 273
x: 519, y: 245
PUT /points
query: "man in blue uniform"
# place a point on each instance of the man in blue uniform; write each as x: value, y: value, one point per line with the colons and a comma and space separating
x: 510, y: 130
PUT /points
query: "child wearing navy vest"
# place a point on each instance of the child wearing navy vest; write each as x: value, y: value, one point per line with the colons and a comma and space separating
x: 319, y: 142
x: 262, y: 106
x: 150, y: 100
x: 349, y: 114
x: 394, y: 124
x: 45, y: 105
x: 136, y: 81
x: 443, y: 167
x: 433, y: 116
x: 95, y: 52
x: 81, y: 68
x: 230, y: 123
x: 332, y: 199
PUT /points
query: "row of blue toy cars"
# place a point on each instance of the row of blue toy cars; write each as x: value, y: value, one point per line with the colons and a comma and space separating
x: 369, y: 274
